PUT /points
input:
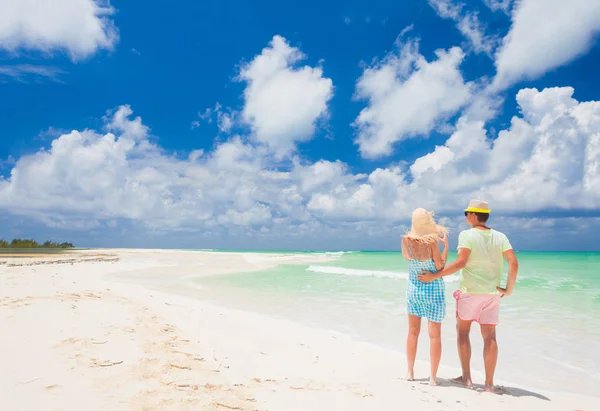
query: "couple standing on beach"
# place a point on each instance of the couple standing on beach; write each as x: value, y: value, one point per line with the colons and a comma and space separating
x: 481, y: 254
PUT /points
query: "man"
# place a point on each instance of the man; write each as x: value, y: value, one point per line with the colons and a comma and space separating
x: 480, y: 257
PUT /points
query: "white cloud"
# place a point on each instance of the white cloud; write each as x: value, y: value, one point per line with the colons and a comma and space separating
x: 226, y: 121
x: 407, y: 97
x: 545, y: 34
x: 562, y: 170
x: 79, y: 27
x: 283, y: 103
x: 23, y: 72
x: 119, y: 122
x: 447, y: 9
x: 470, y: 26
x: 549, y: 158
x: 226, y: 118
x: 467, y: 23
x: 406, y: 30
x: 206, y: 116
x: 499, y: 5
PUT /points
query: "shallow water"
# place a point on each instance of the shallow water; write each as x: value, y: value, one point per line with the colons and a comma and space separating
x: 549, y: 331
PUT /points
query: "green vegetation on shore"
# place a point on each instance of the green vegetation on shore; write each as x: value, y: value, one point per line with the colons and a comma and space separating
x: 26, y: 243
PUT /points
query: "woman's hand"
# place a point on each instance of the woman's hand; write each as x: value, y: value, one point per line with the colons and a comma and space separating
x: 444, y: 240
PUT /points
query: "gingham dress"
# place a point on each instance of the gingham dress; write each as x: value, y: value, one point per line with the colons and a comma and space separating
x: 425, y: 299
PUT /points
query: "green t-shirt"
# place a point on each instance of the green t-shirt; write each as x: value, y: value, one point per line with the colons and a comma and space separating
x: 484, y: 268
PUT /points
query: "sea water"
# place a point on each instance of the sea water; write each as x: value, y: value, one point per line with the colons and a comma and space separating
x: 549, y: 332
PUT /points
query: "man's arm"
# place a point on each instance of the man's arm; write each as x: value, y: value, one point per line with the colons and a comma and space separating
x: 513, y: 268
x: 458, y: 264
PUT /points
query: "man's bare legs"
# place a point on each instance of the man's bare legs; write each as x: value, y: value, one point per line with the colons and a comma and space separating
x: 490, y: 355
x: 463, y: 329
x: 435, y: 350
x: 414, y: 328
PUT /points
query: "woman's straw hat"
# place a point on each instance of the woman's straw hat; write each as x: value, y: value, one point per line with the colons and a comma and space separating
x: 424, y: 227
x: 478, y: 206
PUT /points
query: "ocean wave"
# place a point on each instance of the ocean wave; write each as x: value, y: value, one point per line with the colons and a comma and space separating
x: 395, y: 275
x: 333, y: 253
x: 330, y: 269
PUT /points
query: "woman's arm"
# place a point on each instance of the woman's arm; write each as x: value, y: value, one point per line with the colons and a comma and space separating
x: 444, y: 241
x: 404, y: 248
x: 440, y: 262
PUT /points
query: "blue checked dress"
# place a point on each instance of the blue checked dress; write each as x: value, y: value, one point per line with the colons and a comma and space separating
x: 425, y: 299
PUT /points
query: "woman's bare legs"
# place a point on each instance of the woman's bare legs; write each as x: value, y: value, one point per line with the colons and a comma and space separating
x: 414, y: 328
x: 435, y: 350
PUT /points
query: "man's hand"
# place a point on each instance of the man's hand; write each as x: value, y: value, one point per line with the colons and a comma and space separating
x: 427, y: 276
x: 504, y: 291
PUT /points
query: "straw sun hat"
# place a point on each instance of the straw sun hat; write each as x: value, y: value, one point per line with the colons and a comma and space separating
x: 424, y: 228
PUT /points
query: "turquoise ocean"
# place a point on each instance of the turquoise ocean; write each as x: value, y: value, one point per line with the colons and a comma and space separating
x: 549, y: 332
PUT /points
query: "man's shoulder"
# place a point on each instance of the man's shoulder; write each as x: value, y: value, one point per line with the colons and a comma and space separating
x: 499, y: 233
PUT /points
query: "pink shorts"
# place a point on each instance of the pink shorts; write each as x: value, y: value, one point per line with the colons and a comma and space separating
x: 481, y: 308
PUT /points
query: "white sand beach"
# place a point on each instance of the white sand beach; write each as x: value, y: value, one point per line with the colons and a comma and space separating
x: 120, y: 330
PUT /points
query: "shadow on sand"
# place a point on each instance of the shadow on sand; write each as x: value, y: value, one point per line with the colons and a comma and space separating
x: 502, y: 390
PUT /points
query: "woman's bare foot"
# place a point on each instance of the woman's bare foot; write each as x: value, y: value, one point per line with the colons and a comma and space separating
x: 410, y: 376
x: 433, y: 381
x: 463, y: 381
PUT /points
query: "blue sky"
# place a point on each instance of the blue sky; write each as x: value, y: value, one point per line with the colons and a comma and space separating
x: 301, y: 125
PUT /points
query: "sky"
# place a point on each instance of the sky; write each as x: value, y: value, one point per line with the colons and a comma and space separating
x: 298, y: 125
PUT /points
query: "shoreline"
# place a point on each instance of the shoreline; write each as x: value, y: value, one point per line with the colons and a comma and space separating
x: 111, y: 322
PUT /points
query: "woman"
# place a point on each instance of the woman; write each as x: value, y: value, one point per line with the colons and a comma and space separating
x: 420, y: 246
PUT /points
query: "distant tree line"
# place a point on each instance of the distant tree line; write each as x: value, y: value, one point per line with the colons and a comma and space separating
x: 25, y: 243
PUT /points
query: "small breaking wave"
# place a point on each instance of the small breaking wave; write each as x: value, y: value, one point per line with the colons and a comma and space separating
x: 329, y: 269
x: 394, y: 275
x: 333, y: 253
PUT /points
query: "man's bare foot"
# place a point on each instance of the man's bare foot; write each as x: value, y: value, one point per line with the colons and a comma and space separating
x: 410, y: 376
x: 494, y: 390
x: 462, y: 381
x: 433, y: 381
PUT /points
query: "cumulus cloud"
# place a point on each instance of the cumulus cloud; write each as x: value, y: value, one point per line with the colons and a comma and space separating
x: 78, y: 27
x: 407, y: 96
x: 468, y: 23
x: 120, y: 122
x: 545, y: 34
x: 283, y: 102
x: 549, y: 158
x: 121, y: 174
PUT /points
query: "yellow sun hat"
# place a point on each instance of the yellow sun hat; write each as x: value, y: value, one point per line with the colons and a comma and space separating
x: 478, y: 206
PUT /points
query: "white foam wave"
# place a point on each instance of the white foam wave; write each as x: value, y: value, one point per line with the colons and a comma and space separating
x: 330, y: 269
x: 333, y: 253
x: 395, y: 275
